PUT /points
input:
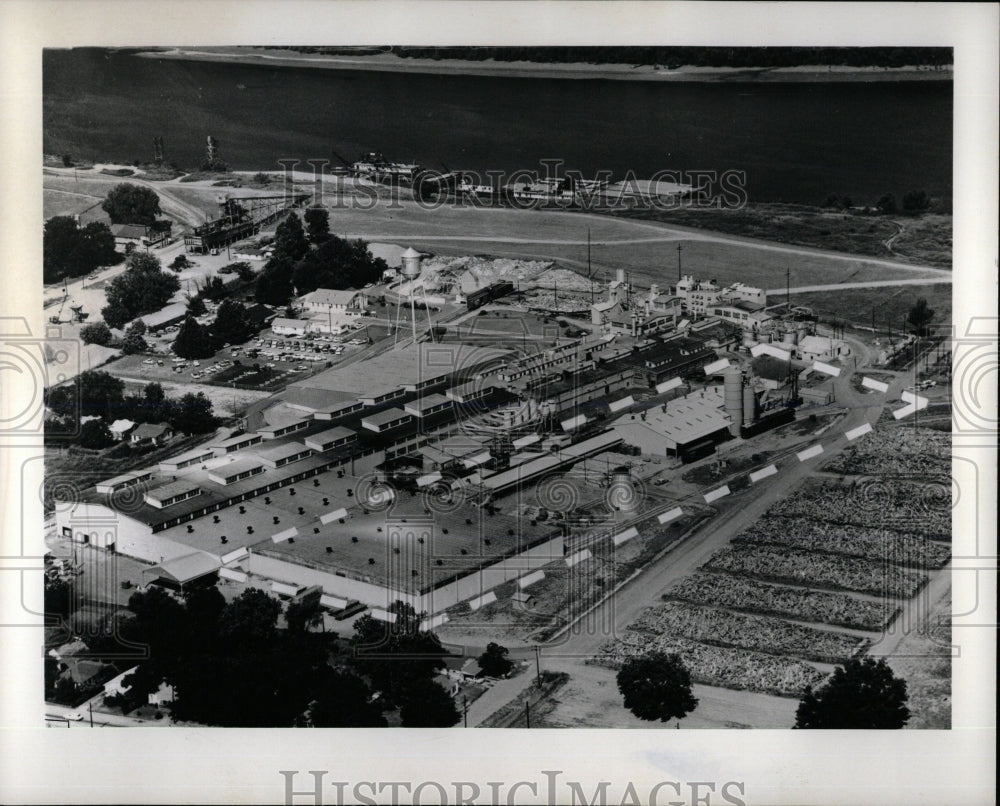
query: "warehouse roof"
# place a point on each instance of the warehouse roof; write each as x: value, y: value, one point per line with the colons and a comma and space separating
x: 686, y: 419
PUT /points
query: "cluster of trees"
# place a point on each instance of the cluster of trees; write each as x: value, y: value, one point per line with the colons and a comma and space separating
x: 98, y: 394
x: 311, y: 258
x: 232, y: 325
x: 695, y: 56
x: 920, y: 317
x: 860, y: 695
x: 231, y: 666
x: 142, y: 288
x: 72, y: 251
x: 131, y: 204
x: 132, y: 342
x: 914, y: 203
x: 401, y: 661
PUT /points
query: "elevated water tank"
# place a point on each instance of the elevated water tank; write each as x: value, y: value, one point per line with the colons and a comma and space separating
x: 733, y: 398
x: 410, y: 263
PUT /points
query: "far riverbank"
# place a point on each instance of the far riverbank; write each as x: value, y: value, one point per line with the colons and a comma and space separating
x: 390, y: 62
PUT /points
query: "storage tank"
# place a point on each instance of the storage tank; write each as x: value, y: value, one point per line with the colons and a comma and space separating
x: 789, y: 338
x: 733, y: 398
x: 749, y: 405
x: 411, y: 263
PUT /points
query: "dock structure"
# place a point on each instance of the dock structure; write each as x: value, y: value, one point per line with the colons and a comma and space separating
x: 240, y: 218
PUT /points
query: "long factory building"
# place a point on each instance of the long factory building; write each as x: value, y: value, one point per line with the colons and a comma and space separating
x: 301, y: 499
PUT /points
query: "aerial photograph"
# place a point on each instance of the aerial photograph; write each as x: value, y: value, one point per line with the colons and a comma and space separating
x: 498, y: 387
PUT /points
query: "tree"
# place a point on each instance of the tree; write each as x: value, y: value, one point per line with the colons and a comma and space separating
x: 920, y: 316
x: 338, y: 264
x: 232, y: 323
x: 193, y: 340
x: 133, y: 342
x: 395, y: 655
x: 94, y: 434
x: 250, y: 620
x: 494, y: 660
x: 274, y: 284
x: 131, y: 204
x: 916, y: 202
x: 340, y: 700
x: 656, y: 686
x: 426, y: 705
x: 317, y: 224
x: 180, y: 262
x: 303, y: 614
x: 862, y: 694
x: 887, y: 204
x: 142, y: 288
x: 59, y: 598
x: 192, y: 414
x: 69, y: 251
x: 96, y: 393
x: 96, y: 333
x: 289, y: 240
x: 196, y: 305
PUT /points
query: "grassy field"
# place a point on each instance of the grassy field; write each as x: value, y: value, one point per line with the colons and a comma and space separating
x: 855, y: 304
x: 924, y: 239
x: 647, y: 250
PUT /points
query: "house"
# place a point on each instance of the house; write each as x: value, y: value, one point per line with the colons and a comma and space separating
x: 171, y: 315
x: 289, y: 327
x: 164, y: 695
x: 139, y: 234
x: 471, y: 670
x: 115, y: 686
x: 121, y: 429
x: 325, y: 300
x: 153, y: 433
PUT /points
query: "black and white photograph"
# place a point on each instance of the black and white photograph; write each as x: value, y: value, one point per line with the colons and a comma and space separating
x: 574, y: 386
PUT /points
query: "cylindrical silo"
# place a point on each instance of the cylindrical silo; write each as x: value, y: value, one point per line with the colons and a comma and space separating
x: 733, y: 398
x: 788, y: 338
x: 749, y: 405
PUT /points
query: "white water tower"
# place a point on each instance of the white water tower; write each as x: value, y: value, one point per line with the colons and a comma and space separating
x: 410, y: 270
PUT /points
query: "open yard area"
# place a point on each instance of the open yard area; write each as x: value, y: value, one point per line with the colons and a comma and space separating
x: 924, y: 239
x: 647, y: 250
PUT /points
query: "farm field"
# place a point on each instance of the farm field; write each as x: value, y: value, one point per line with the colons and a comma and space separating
x: 850, y: 555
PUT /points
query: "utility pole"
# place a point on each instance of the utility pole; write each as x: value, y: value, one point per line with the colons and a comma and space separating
x: 538, y: 667
x: 527, y: 716
x: 679, y: 249
x: 90, y: 707
x: 465, y: 711
x: 788, y: 289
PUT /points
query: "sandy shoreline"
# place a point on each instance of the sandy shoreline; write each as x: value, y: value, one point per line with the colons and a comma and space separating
x: 389, y: 62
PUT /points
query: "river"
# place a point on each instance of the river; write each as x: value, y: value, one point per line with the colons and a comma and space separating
x: 797, y: 142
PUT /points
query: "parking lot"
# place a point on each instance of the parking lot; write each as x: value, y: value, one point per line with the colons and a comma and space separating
x: 266, y: 362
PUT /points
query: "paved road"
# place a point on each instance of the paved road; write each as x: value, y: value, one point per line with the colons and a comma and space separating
x: 802, y: 289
